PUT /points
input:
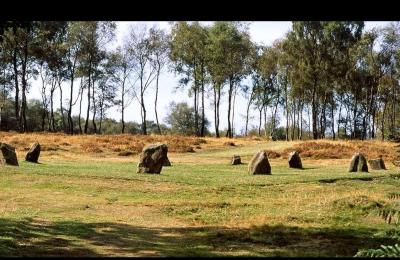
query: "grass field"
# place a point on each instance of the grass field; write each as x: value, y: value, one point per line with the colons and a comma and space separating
x: 91, y: 202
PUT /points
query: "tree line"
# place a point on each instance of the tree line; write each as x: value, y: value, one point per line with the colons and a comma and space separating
x: 321, y: 80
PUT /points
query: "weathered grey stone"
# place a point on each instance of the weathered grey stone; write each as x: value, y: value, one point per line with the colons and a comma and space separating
x: 295, y: 160
x: 8, y: 155
x: 167, y: 163
x: 33, y: 153
x: 358, y: 163
x: 152, y: 158
x: 259, y: 164
x: 377, y: 164
x: 236, y: 160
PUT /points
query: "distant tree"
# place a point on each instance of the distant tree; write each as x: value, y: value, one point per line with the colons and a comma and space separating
x: 181, y: 119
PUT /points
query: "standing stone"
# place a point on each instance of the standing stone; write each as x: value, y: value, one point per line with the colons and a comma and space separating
x: 377, y: 164
x: 259, y: 164
x: 167, y: 163
x: 8, y: 155
x: 152, y: 158
x: 236, y: 160
x: 33, y: 153
x: 358, y: 163
x: 295, y: 160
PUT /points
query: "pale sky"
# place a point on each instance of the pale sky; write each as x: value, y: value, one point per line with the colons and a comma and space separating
x: 260, y: 32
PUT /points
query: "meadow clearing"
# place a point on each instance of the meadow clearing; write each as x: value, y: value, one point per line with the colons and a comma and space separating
x: 85, y: 198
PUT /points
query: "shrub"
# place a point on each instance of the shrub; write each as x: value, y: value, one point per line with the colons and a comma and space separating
x: 384, y: 251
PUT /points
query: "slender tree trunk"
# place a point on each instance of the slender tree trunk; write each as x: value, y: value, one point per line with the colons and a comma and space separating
x: 273, y: 126
x: 259, y: 125
x: 354, y: 119
x: 80, y: 109
x: 298, y: 119
x: 233, y: 111
x: 61, y: 106
x: 195, y: 106
x: 196, y: 111
x: 143, y: 109
x: 333, y: 120
x: 70, y: 122
x: 94, y: 108
x: 383, y: 122
x: 347, y: 122
x: 247, y: 112
x: 218, y: 102
x: 314, y: 111
x: 301, y: 122
x: 265, y: 121
x: 101, y: 117
x: 287, y: 112
x: 215, y: 109
x: 203, y: 122
x: 24, y: 86
x: 339, y: 117
x: 309, y: 120
x: 293, y: 119
x: 229, y: 132
x: 155, y: 102
x: 373, y: 124
x: 323, y: 117
x: 15, y: 67
x: 88, y: 95
x: 44, y: 99
x: 53, y: 128
x: 123, y: 106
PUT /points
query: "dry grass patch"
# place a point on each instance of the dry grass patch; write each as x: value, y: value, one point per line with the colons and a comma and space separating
x: 343, y: 150
x: 273, y: 154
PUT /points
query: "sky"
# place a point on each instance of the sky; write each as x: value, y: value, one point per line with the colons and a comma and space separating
x: 260, y: 32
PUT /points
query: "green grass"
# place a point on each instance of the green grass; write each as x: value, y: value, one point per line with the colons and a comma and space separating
x: 195, y: 208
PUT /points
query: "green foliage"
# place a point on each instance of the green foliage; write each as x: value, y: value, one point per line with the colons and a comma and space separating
x: 181, y: 119
x: 345, y: 78
x: 384, y: 251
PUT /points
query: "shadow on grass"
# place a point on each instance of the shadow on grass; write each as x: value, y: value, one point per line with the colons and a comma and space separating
x: 310, y: 168
x: 350, y: 178
x: 69, y: 238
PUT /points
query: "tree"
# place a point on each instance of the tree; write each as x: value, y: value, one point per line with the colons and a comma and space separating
x: 106, y: 95
x: 316, y: 50
x: 94, y: 38
x: 139, y: 44
x: 181, y: 119
x: 188, y: 50
x: 159, y: 42
x: 119, y: 69
x: 73, y: 44
x: 231, y: 48
x: 18, y: 41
